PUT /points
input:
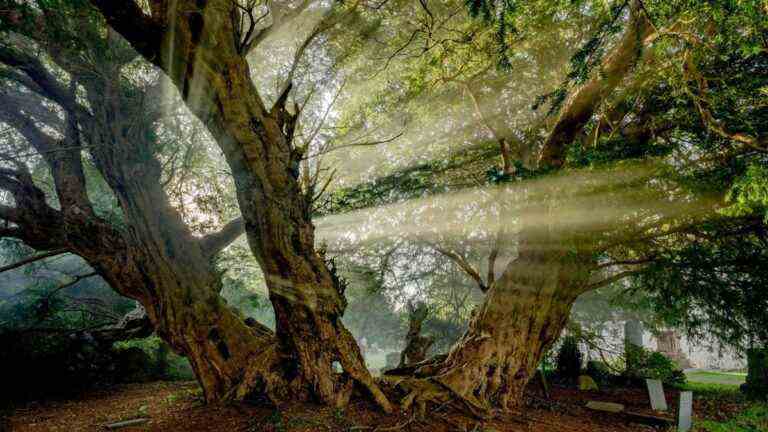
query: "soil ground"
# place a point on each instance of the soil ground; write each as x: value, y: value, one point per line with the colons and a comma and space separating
x: 177, y: 406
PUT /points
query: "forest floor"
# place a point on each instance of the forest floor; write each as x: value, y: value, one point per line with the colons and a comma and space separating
x: 177, y: 406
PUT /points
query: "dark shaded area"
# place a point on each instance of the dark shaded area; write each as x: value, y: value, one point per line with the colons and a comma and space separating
x: 51, y: 365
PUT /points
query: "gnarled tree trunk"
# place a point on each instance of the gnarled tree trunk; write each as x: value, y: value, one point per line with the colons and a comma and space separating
x: 153, y: 258
x: 522, y: 315
x: 197, y: 44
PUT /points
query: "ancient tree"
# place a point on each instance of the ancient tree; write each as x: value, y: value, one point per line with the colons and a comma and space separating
x: 525, y: 309
x: 107, y: 122
x: 202, y: 47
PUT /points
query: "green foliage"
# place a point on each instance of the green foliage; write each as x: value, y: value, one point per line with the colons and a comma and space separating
x: 568, y: 361
x: 756, y: 385
x: 749, y: 194
x: 429, y: 178
x: 370, y: 313
x: 713, y: 286
x: 599, y: 371
x: 653, y: 365
x: 165, y: 364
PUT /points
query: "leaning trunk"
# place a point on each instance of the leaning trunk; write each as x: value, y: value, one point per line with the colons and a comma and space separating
x: 158, y: 262
x: 186, y: 311
x: 522, y: 315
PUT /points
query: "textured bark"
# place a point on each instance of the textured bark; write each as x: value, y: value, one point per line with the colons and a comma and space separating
x: 527, y: 307
x: 579, y: 107
x: 195, y: 43
x: 154, y: 258
x: 521, y: 317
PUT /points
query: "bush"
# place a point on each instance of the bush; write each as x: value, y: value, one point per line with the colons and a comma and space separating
x: 164, y: 363
x: 653, y: 365
x: 754, y: 418
x: 568, y: 362
x: 599, y: 371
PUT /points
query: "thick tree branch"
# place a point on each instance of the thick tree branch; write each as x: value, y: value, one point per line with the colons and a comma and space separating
x: 38, y: 73
x: 612, y: 279
x: 144, y: 32
x: 638, y: 261
x: 584, y: 101
x: 32, y: 259
x: 214, y: 243
x: 691, y: 72
x: 62, y: 156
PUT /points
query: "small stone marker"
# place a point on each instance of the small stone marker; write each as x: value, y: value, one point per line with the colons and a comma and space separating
x: 605, y: 406
x: 685, y: 413
x: 586, y: 383
x: 656, y: 394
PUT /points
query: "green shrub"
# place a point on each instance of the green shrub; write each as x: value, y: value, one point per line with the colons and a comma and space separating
x: 568, y: 361
x: 653, y: 365
x: 165, y: 364
x: 599, y: 371
x: 756, y: 385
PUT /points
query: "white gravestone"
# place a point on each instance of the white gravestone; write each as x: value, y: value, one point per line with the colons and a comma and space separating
x: 685, y: 413
x: 656, y: 394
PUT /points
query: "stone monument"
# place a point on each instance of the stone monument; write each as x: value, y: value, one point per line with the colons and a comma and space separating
x: 668, y: 343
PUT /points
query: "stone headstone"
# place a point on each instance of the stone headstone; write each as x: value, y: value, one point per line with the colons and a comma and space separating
x: 656, y: 394
x: 668, y: 343
x: 605, y: 406
x: 685, y: 413
x: 633, y: 332
x: 586, y: 383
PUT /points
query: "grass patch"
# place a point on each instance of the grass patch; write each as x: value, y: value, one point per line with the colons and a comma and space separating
x: 713, y: 390
x: 753, y: 419
x: 708, y: 377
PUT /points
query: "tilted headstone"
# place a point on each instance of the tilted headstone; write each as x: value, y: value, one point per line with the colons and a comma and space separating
x: 685, y: 413
x: 656, y: 394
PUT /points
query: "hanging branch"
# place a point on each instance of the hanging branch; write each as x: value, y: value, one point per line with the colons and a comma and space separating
x: 691, y: 72
x: 32, y: 259
x: 464, y: 265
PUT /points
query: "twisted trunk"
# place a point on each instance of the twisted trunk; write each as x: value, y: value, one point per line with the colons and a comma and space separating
x: 307, y: 298
x: 181, y: 298
x: 196, y: 44
x: 416, y: 345
x: 158, y: 262
x: 522, y: 315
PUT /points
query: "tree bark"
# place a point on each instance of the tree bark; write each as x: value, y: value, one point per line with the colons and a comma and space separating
x: 521, y: 317
x: 153, y: 258
x: 195, y: 44
x: 416, y: 345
